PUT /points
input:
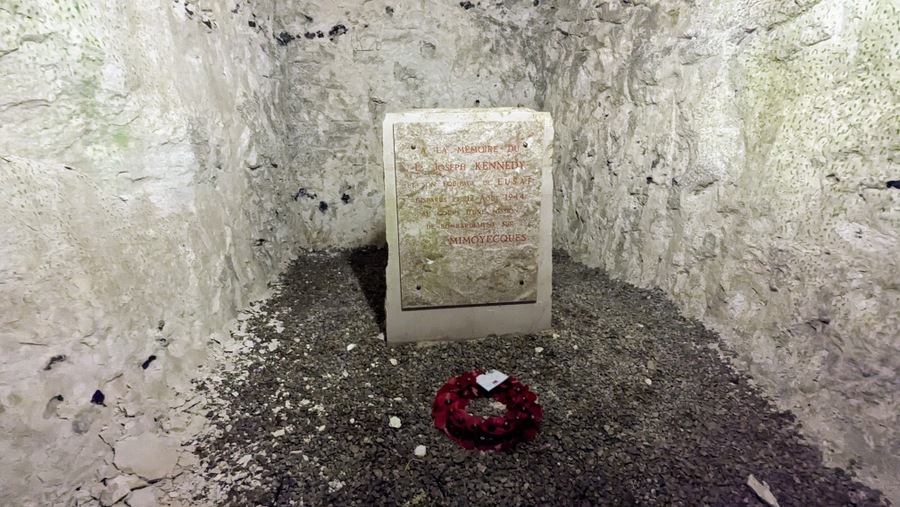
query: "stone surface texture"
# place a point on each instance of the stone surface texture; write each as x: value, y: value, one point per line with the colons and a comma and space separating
x: 137, y: 143
x: 410, y: 54
x: 468, y: 208
x: 460, y: 179
x: 148, y: 456
x: 736, y: 154
x: 161, y: 160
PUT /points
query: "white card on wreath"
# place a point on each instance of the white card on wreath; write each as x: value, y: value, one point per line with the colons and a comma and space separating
x: 490, y: 379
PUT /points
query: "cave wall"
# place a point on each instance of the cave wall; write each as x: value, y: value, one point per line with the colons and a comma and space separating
x: 733, y: 153
x: 135, y: 138
x: 736, y: 154
x: 161, y: 161
x: 347, y: 63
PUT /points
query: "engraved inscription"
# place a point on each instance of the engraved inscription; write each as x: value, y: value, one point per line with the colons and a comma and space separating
x: 468, y: 209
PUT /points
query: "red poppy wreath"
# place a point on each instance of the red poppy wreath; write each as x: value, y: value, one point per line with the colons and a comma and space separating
x: 521, y: 422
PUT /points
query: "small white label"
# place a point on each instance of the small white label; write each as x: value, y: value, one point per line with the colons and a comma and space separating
x: 491, y: 379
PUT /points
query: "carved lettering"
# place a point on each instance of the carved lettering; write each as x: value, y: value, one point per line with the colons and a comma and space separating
x: 499, y: 165
x: 468, y: 201
x: 476, y: 149
x: 515, y: 181
x: 459, y: 183
x: 448, y: 167
x: 468, y: 225
x: 490, y: 238
x: 422, y: 200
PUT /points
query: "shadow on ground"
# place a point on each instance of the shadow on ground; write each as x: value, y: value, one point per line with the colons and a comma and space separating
x: 370, y: 265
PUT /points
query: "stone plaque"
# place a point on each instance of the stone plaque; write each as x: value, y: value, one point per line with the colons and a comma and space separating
x: 468, y: 210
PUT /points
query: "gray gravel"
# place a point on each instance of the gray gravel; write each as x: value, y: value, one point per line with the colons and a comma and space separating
x: 311, y: 418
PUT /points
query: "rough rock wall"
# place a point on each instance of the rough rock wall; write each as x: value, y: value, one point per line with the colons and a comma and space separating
x: 159, y: 160
x: 737, y: 154
x: 346, y: 63
x: 135, y: 138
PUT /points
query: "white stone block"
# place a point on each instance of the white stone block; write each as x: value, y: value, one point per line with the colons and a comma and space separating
x: 149, y: 456
x: 468, y: 212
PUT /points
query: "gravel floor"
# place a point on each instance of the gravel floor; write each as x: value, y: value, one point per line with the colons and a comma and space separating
x: 304, y: 420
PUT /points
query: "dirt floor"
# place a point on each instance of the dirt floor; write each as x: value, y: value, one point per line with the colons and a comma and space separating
x: 639, y: 407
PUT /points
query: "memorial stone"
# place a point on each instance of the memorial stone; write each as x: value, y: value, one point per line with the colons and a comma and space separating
x: 468, y: 212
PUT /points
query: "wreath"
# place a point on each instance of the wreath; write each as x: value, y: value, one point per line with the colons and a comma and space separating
x: 520, y: 424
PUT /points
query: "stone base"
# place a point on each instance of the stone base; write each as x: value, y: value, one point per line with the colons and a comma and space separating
x: 466, y: 323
